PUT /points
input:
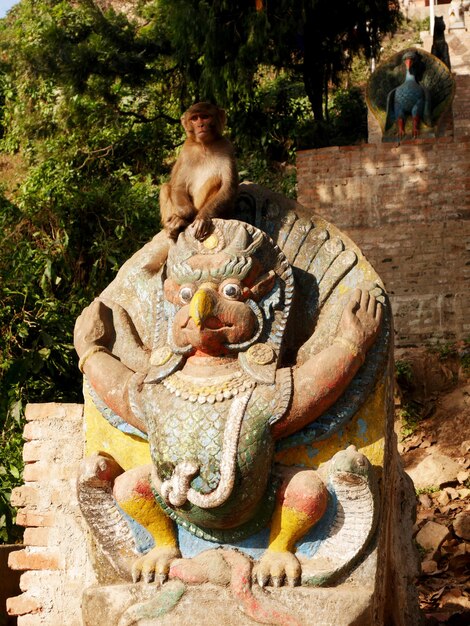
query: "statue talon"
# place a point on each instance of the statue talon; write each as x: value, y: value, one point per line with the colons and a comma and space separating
x: 155, y: 565
x: 277, y: 569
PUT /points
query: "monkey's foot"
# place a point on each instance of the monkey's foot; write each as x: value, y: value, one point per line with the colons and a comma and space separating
x: 277, y: 569
x: 155, y: 565
x: 201, y: 228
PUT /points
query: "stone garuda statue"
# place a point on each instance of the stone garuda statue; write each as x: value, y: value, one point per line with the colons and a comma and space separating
x: 235, y: 392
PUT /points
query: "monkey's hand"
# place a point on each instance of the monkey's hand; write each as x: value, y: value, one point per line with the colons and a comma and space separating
x: 174, y: 225
x: 201, y: 228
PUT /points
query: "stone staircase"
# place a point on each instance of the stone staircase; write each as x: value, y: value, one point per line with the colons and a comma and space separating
x: 459, y: 51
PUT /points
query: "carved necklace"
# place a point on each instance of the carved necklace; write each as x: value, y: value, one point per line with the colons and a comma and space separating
x: 220, y: 388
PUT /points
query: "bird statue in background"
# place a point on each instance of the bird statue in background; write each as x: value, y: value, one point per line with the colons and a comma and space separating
x: 409, y: 98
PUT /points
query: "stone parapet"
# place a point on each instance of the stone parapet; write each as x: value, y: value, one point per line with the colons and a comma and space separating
x: 54, y: 559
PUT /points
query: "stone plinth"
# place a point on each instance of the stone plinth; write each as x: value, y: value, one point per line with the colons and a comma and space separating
x: 209, y: 605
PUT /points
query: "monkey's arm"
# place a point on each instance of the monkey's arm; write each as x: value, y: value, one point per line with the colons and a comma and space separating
x: 320, y: 381
x: 180, y: 198
x: 176, y: 205
x: 219, y: 198
x: 110, y: 378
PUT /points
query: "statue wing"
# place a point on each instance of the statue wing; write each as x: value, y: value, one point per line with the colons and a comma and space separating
x: 439, y: 85
x: 327, y: 267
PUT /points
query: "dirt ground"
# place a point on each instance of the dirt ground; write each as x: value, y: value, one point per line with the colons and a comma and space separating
x: 433, y: 427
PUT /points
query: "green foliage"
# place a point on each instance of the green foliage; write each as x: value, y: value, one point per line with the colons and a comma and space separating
x: 280, y: 177
x: 275, y: 120
x: 11, y: 466
x: 347, y: 117
x: 427, y: 490
x: 444, y: 350
x: 320, y: 39
x: 465, y: 356
x: 77, y: 104
x: 403, y: 372
x: 421, y: 551
x: 219, y: 47
x: 410, y: 419
x: 420, y: 26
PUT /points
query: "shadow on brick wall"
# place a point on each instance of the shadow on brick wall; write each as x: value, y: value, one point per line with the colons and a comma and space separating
x: 9, y: 585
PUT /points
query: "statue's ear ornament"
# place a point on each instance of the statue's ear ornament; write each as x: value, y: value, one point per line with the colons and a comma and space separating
x: 260, y: 362
x: 163, y: 362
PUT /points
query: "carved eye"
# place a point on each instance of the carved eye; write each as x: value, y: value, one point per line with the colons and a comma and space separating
x: 186, y: 293
x: 232, y: 291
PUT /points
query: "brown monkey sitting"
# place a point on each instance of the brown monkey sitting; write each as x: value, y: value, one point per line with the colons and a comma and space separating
x: 204, y: 179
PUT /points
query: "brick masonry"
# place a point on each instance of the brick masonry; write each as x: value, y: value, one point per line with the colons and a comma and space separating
x: 407, y: 207
x: 54, y: 562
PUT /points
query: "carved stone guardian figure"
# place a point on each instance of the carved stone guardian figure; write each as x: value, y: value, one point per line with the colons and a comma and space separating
x: 238, y: 425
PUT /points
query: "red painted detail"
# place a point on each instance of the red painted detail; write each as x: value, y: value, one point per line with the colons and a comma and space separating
x: 304, y: 492
x: 264, y: 611
x: 312, y: 505
x: 142, y: 487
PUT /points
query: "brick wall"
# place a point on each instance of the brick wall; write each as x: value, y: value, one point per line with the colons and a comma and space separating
x: 54, y: 561
x: 407, y: 207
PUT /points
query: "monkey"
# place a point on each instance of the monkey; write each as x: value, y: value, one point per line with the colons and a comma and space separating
x: 204, y: 179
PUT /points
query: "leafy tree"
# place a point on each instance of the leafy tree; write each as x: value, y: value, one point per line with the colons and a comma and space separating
x: 81, y: 102
x: 321, y: 38
x: 221, y: 45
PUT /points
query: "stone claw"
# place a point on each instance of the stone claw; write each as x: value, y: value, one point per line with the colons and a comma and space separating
x: 277, y: 569
x: 155, y: 565
x: 293, y: 581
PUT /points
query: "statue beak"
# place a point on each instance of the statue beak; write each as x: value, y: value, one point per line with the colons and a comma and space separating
x: 201, y: 306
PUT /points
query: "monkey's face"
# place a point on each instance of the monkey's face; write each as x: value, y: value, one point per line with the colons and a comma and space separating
x: 213, y: 314
x: 202, y: 126
x: 204, y: 122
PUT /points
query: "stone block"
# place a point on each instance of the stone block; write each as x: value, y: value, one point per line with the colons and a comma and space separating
x: 434, y: 470
x: 33, y: 451
x: 24, y: 495
x: 46, y: 429
x: 54, y: 410
x: 20, y: 605
x: 37, y: 536
x: 34, y: 518
x: 35, y: 559
x: 462, y: 525
x: 42, y: 471
x: 36, y: 619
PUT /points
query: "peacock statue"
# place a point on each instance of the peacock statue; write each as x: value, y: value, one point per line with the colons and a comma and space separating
x: 409, y: 93
x: 409, y: 98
